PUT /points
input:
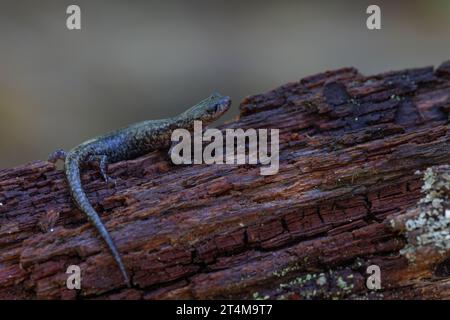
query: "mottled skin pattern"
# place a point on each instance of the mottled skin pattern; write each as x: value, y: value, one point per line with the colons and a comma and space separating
x: 128, y: 143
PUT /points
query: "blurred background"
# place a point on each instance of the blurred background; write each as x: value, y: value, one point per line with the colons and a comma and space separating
x: 137, y: 60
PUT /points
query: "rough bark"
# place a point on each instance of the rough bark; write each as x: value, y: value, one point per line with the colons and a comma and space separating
x: 346, y: 197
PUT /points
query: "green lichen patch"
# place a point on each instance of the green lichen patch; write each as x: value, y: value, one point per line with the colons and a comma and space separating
x: 285, y: 271
x: 431, y: 227
x: 258, y: 296
x: 325, y: 285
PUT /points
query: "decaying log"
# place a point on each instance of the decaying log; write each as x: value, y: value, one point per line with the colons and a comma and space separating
x: 346, y: 197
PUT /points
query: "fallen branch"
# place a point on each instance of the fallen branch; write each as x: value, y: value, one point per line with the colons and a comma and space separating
x: 349, y: 148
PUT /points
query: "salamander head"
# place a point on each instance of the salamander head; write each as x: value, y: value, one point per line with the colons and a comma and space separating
x: 209, y: 109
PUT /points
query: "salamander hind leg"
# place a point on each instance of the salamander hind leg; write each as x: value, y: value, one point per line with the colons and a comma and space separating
x: 59, y: 154
x: 57, y: 158
x: 102, y: 163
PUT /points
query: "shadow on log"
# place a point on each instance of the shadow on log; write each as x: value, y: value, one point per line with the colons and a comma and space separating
x: 346, y: 197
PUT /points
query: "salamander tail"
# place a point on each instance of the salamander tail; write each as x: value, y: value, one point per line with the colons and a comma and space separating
x: 72, y: 165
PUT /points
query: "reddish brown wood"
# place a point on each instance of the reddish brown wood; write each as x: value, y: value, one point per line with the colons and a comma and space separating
x: 350, y: 146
